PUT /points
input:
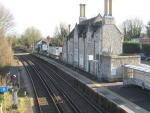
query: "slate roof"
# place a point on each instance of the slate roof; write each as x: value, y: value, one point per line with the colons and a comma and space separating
x: 82, y: 29
x: 91, y: 20
x: 70, y: 34
x: 83, y: 26
x: 43, y: 42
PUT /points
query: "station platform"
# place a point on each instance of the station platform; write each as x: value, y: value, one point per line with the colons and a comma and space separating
x: 131, y: 99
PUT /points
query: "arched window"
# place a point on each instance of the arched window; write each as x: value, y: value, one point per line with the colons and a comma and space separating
x: 81, y: 59
x: 64, y: 55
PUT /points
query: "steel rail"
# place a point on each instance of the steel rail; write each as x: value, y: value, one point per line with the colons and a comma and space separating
x: 49, y: 89
x: 72, y: 104
x: 72, y: 88
x: 32, y: 84
x: 57, y: 108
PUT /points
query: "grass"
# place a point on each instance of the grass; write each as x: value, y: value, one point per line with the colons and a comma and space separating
x: 21, y: 98
x: 9, y: 99
x: 21, y: 92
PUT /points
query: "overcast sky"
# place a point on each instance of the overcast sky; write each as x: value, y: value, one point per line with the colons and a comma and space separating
x: 46, y: 14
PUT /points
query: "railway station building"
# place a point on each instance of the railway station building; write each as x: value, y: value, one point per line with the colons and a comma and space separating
x: 90, y: 44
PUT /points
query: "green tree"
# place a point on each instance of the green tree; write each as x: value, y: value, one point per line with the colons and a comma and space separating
x: 14, y: 40
x: 48, y: 39
x: 55, y: 42
x: 31, y: 36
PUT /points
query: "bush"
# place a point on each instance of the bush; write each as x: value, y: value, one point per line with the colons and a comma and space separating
x: 20, y: 47
x: 131, y: 47
x: 146, y: 48
x: 6, y: 53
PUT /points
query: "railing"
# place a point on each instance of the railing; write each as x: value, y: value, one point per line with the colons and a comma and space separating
x: 136, y: 75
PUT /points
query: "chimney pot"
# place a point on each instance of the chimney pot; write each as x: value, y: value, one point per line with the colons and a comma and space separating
x: 81, y: 10
x: 105, y: 7
x: 69, y: 27
x: 110, y: 7
x: 84, y: 10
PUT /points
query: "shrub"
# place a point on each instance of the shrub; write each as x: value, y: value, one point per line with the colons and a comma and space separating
x: 146, y: 48
x: 131, y: 47
x: 20, y: 47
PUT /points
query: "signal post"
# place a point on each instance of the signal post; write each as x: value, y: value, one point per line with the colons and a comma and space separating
x: 15, y: 82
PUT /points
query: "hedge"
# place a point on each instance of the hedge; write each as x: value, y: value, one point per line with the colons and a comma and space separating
x: 146, y: 49
x: 131, y: 47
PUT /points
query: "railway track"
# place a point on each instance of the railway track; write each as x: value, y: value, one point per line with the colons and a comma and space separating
x: 67, y: 98
x: 44, y: 101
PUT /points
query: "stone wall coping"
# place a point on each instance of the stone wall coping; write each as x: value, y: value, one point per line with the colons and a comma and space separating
x: 116, y: 56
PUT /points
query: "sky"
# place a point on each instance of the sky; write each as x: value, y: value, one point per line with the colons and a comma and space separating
x: 45, y: 15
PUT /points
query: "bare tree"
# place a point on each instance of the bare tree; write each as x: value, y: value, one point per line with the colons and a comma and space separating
x: 148, y: 29
x: 6, y: 20
x: 61, y: 32
x: 6, y: 24
x: 132, y: 28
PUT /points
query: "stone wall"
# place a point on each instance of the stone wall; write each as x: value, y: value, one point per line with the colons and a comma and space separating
x: 70, y: 51
x: 112, y: 38
x: 89, y: 48
x: 64, y: 51
x: 111, y: 61
x: 81, y: 52
x: 97, y: 39
x: 75, y: 48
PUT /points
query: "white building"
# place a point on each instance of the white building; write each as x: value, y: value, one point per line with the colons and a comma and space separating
x: 41, y: 46
x: 54, y: 50
x: 95, y: 46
